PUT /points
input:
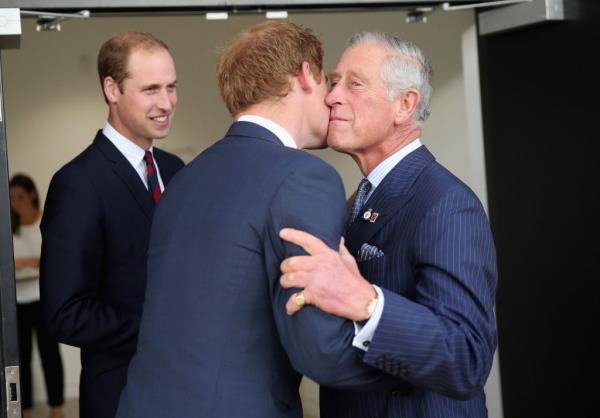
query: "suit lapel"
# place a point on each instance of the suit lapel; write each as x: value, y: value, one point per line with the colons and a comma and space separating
x: 396, y: 189
x: 167, y: 171
x: 126, y: 173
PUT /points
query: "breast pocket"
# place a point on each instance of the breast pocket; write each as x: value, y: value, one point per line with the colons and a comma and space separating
x: 368, y: 252
x: 373, y: 269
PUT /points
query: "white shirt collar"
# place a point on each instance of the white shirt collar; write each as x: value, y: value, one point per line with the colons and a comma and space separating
x: 383, y: 168
x: 130, y: 150
x: 283, y: 135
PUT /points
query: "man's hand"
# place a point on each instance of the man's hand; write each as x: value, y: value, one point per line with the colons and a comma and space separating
x: 22, y: 262
x: 331, y: 280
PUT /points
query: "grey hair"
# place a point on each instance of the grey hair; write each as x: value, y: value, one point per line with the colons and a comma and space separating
x: 406, y: 67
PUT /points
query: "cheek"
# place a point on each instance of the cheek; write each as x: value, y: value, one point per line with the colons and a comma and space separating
x: 138, y: 104
x: 361, y: 104
x: 365, y: 112
x: 373, y: 113
x: 320, y: 111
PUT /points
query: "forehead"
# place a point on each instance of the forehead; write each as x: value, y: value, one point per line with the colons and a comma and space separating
x: 17, y: 190
x: 150, y: 63
x: 364, y: 58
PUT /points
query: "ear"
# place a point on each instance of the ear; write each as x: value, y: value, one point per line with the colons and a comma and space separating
x: 305, y: 78
x: 406, y: 105
x: 111, y: 89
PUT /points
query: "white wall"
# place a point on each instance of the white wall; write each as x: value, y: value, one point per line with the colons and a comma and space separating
x: 54, y: 104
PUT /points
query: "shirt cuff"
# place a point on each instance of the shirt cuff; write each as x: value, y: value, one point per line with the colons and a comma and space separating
x: 363, y: 334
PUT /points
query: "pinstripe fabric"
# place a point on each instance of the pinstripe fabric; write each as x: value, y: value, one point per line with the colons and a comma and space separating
x: 438, y: 273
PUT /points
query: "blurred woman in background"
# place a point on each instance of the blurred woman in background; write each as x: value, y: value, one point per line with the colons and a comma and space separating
x: 27, y: 242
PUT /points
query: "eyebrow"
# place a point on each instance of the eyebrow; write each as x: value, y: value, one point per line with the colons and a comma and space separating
x: 157, y: 85
x: 355, y: 74
x: 351, y: 73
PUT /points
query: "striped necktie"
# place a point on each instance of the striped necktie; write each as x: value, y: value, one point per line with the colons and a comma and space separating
x: 153, y: 185
x: 359, y: 200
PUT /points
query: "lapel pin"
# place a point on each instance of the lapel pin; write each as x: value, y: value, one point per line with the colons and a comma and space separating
x: 370, y: 216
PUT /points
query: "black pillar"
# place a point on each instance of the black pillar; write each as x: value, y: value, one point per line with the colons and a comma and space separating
x: 541, y: 110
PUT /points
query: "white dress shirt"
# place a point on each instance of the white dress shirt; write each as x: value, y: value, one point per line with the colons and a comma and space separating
x: 364, y: 334
x: 280, y: 132
x: 27, y: 243
x: 133, y: 153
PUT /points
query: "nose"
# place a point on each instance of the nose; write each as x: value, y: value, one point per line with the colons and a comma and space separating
x: 167, y: 100
x: 333, y: 97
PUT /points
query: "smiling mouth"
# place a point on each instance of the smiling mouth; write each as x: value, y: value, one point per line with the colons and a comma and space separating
x: 161, y: 118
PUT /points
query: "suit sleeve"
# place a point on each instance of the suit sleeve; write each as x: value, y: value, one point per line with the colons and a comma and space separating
x: 318, y: 345
x: 444, y: 338
x: 72, y: 267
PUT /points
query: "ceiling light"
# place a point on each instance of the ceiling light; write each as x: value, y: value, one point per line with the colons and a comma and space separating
x: 217, y: 16
x: 276, y: 14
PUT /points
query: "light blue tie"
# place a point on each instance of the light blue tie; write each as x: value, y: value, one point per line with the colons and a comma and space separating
x: 359, y: 200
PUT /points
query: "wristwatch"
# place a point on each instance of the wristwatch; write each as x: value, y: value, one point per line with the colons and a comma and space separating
x: 371, y: 307
x: 370, y: 310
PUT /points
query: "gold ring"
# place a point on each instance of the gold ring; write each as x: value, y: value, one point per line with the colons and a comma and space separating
x: 299, y: 299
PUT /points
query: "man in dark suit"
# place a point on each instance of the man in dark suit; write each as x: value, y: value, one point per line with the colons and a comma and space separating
x: 215, y: 340
x: 97, y: 219
x: 423, y: 298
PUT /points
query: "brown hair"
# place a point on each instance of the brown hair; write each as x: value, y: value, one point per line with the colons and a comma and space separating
x: 114, y: 55
x: 257, y: 64
x: 26, y: 183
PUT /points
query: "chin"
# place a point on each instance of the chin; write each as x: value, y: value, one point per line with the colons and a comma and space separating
x: 161, y: 134
x: 321, y: 145
x: 317, y: 143
x: 339, y: 146
x: 332, y: 142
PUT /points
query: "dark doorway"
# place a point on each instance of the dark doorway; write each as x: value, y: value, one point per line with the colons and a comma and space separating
x: 540, y: 105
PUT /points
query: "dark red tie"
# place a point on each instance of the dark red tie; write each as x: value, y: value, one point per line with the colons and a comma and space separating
x: 153, y: 185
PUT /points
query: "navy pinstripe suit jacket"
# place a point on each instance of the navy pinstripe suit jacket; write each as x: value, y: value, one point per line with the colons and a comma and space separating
x: 438, y: 273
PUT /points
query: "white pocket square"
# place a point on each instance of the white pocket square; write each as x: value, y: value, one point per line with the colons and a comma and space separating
x: 368, y: 252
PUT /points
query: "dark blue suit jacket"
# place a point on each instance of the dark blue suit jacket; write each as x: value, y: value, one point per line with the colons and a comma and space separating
x: 215, y: 340
x: 95, y: 230
x: 438, y: 274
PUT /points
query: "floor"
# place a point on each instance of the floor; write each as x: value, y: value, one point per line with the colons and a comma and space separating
x: 71, y: 410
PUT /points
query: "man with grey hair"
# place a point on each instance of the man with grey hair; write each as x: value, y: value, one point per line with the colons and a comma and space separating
x: 418, y: 276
